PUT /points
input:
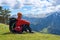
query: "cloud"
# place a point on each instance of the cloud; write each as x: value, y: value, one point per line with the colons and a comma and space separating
x: 40, y: 9
x: 55, y: 2
x: 0, y: 2
x: 15, y: 4
x: 33, y: 8
x: 57, y: 8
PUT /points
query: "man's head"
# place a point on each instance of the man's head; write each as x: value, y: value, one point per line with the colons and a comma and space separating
x: 19, y: 14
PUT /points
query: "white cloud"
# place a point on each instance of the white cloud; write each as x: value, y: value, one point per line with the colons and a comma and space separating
x: 55, y: 2
x: 12, y: 3
x: 58, y: 8
x: 38, y: 8
x: 0, y: 2
x: 42, y: 8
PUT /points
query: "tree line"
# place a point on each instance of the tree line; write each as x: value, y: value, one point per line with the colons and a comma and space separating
x: 4, y: 15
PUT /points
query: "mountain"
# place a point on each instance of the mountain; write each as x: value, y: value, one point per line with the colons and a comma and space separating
x: 51, y: 23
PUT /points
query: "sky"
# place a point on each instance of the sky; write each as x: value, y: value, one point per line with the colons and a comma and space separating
x: 31, y: 8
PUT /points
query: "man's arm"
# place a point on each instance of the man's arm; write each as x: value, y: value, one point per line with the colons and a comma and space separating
x: 26, y: 22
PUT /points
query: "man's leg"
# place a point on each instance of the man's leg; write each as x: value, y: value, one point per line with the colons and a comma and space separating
x: 24, y: 28
x: 28, y: 27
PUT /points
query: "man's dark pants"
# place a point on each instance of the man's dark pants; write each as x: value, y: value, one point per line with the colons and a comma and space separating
x: 26, y: 27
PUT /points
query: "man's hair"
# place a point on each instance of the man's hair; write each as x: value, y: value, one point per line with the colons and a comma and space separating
x: 19, y: 13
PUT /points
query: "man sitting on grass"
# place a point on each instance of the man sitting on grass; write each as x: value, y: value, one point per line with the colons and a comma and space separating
x: 21, y: 25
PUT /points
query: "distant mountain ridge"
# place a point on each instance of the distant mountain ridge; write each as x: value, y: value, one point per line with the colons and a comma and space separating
x: 51, y: 23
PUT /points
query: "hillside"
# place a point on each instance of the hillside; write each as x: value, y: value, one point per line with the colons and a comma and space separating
x: 6, y: 35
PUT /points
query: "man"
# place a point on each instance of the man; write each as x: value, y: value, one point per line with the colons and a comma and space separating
x: 21, y: 25
x: 24, y: 23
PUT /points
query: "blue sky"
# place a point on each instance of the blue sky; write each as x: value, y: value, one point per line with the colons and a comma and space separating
x: 31, y: 8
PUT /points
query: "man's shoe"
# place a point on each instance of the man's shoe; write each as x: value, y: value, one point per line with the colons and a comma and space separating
x: 31, y: 32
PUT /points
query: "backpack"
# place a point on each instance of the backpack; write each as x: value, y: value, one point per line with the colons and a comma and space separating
x: 12, y: 26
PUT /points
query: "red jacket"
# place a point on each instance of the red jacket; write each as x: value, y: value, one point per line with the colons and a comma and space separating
x: 20, y: 22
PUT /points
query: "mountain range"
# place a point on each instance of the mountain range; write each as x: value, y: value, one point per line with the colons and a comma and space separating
x: 49, y: 24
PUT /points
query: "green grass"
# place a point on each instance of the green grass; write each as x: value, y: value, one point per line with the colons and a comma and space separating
x: 6, y: 35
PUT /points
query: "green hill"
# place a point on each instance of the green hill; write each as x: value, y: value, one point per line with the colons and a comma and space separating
x: 6, y: 35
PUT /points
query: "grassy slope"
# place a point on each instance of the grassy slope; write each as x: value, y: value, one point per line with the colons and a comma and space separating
x: 5, y: 35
